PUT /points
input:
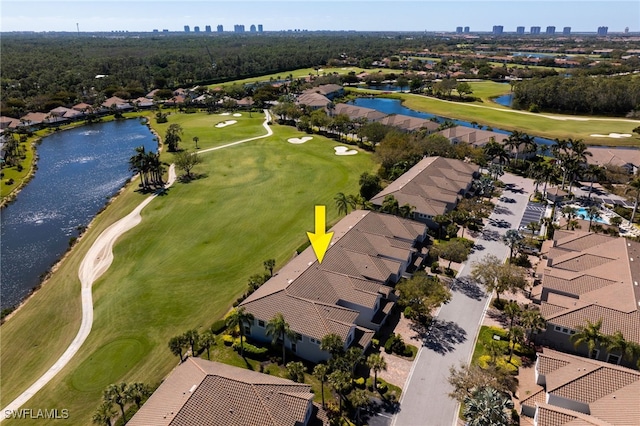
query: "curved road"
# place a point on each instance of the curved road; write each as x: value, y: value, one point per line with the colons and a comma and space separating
x: 95, y: 263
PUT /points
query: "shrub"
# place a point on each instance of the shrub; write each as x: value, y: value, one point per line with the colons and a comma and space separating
x: 19, y: 167
x: 218, y: 326
x: 498, y: 304
x: 359, y: 382
x: 382, y: 388
x: 408, y: 312
x: 435, y: 267
x: 10, y: 181
x: 251, y: 351
x: 395, y: 344
x: 227, y: 339
x: 375, y: 343
x: 534, y: 108
x: 522, y: 260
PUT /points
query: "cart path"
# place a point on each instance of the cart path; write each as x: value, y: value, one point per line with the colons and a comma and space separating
x: 95, y: 263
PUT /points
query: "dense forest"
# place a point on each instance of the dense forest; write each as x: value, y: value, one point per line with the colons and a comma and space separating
x: 618, y: 95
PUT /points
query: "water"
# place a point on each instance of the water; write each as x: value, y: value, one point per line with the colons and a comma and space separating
x: 504, y: 100
x: 78, y: 171
x: 394, y: 106
x: 584, y: 214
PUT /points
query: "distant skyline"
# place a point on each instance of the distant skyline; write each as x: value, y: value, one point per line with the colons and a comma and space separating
x: 356, y: 15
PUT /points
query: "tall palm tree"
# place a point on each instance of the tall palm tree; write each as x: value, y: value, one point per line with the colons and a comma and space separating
x: 333, y: 344
x: 279, y: 329
x: 103, y: 415
x: 590, y: 335
x: 511, y: 238
x: 593, y: 172
x: 532, y: 321
x: 342, y: 203
x: 206, y: 341
x: 320, y: 372
x: 137, y: 392
x: 593, y: 213
x: 116, y: 394
x: 487, y: 406
x: 512, y: 310
x: 358, y: 399
x: 239, y: 317
x: 513, y: 142
x: 192, y: 338
x: 176, y: 345
x: 570, y: 213
x: 377, y: 363
x: 341, y: 383
x: 516, y: 336
x: 626, y: 348
x: 634, y: 186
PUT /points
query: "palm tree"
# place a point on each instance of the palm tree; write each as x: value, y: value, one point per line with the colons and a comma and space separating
x: 296, y: 370
x: 269, y: 264
x: 590, y: 335
x: 516, y: 336
x: 487, y: 406
x: 207, y: 339
x: 333, y: 344
x: 593, y: 213
x: 279, y: 329
x: 341, y: 383
x: 377, y: 363
x: 342, y: 203
x: 406, y: 210
x: 593, y: 172
x: 196, y: 139
x: 320, y: 372
x: 176, y: 345
x: 511, y: 238
x: 103, y: 415
x: 137, y: 392
x: 617, y: 343
x: 239, y: 317
x: 532, y: 321
x: 512, y: 310
x: 634, y: 186
x: 495, y: 151
x: 138, y: 164
x: 570, y: 213
x: 358, y: 399
x: 116, y: 394
x: 192, y: 337
x: 514, y: 141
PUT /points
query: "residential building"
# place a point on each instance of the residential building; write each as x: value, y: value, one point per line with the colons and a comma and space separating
x: 331, y: 91
x: 252, y: 28
x: 32, y: 119
x: 535, y: 30
x: 520, y: 30
x: 238, y: 28
x: 220, y: 28
x: 349, y: 294
x: 206, y: 393
x: 627, y: 158
x: 117, y: 103
x: 8, y: 123
x: 260, y: 28
x: 589, y: 277
x: 409, y: 124
x: 603, y: 31
x: 467, y: 30
x: 566, y: 31
x: 498, y: 29
x: 313, y: 100
x: 356, y: 112
x: 434, y: 187
x: 196, y: 29
x: 571, y: 390
x: 458, y: 30
x: 186, y: 29
x: 207, y: 28
x: 472, y: 136
x: 551, y: 30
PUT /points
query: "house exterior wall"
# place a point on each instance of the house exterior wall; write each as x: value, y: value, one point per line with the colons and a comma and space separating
x: 569, y: 404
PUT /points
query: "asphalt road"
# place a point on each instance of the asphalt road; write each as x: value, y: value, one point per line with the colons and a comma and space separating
x: 451, y: 339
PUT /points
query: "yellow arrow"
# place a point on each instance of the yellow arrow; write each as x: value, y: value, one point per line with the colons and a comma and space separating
x: 320, y: 240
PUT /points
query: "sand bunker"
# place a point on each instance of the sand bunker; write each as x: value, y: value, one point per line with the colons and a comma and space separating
x: 225, y: 113
x: 226, y: 123
x: 299, y: 140
x: 612, y: 135
x: 343, y: 150
x: 237, y: 114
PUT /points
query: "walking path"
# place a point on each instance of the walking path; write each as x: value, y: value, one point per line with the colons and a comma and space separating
x: 451, y: 338
x: 95, y: 263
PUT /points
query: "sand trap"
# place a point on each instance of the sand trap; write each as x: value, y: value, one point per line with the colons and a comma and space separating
x: 237, y: 114
x: 612, y: 135
x: 299, y: 140
x: 225, y: 113
x: 343, y: 150
x: 226, y: 123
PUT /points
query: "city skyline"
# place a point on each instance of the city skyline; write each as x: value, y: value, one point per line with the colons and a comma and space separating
x: 356, y: 15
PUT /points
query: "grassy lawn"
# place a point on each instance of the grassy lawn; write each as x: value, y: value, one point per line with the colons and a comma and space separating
x: 13, y: 173
x: 546, y: 125
x: 181, y: 268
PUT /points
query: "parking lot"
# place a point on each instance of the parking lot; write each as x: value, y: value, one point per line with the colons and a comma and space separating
x: 532, y: 213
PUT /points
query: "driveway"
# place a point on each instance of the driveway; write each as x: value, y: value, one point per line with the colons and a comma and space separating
x: 451, y: 339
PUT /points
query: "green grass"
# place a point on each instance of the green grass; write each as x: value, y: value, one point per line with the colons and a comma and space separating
x: 180, y: 268
x: 546, y: 125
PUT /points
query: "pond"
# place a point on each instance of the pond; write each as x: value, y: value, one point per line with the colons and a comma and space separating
x: 504, y: 100
x: 394, y: 106
x: 78, y: 171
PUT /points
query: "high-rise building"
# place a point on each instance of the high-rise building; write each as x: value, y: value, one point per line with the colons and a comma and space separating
x: 238, y: 28
x: 220, y: 28
x: 520, y: 30
x: 165, y: 31
x: 252, y: 28
x: 458, y: 30
x: 260, y: 28
x: 498, y: 29
x: 207, y: 29
x: 566, y: 31
x: 626, y: 30
x: 535, y: 30
x: 602, y: 31
x: 196, y: 29
x: 467, y: 30
x: 186, y: 29
x: 551, y: 30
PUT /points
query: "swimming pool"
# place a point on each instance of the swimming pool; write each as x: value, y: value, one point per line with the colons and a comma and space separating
x: 583, y: 214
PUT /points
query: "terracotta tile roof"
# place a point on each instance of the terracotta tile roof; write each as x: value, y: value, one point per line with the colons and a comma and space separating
x: 547, y: 363
x: 408, y: 123
x: 579, y: 285
x: 313, y: 100
x: 354, y: 112
x: 433, y: 186
x: 209, y: 393
x: 475, y: 137
x: 32, y: 118
x: 82, y: 107
x: 539, y: 397
x: 620, y: 157
x: 612, y: 320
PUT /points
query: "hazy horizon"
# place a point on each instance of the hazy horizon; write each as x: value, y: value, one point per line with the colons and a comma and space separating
x: 330, y: 15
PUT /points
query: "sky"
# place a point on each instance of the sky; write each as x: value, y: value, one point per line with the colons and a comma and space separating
x: 358, y: 15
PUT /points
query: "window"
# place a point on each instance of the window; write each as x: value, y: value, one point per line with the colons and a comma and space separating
x: 613, y: 359
x: 261, y: 323
x: 298, y: 337
x: 594, y: 354
x: 564, y: 330
x: 294, y: 348
x: 316, y: 341
x: 247, y: 330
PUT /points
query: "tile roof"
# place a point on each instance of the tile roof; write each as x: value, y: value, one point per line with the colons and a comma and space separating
x: 367, y: 250
x: 313, y: 100
x: 603, y: 156
x: 475, y: 137
x: 209, y: 393
x: 433, y: 186
x: 609, y: 392
x: 354, y: 112
x: 409, y: 123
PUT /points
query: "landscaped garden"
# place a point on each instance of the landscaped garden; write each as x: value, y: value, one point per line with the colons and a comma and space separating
x: 198, y: 243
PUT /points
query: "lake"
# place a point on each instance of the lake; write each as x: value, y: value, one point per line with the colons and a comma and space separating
x: 78, y: 171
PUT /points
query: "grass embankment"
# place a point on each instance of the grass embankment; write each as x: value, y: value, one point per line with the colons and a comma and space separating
x: 181, y: 268
x: 545, y: 125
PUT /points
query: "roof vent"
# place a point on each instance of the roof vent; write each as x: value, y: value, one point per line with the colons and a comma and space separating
x: 289, y: 281
x: 193, y: 388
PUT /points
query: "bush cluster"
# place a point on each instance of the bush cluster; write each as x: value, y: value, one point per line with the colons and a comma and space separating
x: 395, y: 344
x: 251, y: 351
